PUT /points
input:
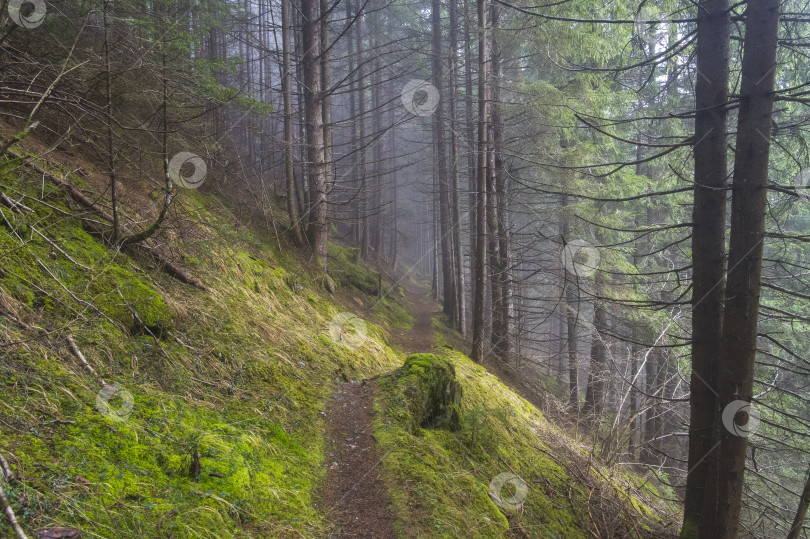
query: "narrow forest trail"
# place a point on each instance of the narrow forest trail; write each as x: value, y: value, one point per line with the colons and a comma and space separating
x: 356, y: 500
x: 420, y: 337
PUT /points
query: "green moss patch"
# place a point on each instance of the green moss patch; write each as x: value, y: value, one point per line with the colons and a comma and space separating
x: 428, y: 394
x: 238, y: 374
x: 345, y: 268
x: 443, y: 483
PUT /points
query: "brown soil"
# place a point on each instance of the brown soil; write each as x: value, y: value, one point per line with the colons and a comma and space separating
x: 357, y: 502
x: 355, y: 498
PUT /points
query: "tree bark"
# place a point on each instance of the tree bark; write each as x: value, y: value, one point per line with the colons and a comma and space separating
x: 501, y: 295
x: 708, y: 243
x: 318, y: 229
x: 572, y: 310
x: 481, y: 187
x: 286, y: 90
x: 735, y: 380
x: 471, y: 143
x: 459, y: 267
x: 326, y: 107
x: 440, y: 156
x: 361, y: 122
x: 595, y: 392
x: 376, y: 231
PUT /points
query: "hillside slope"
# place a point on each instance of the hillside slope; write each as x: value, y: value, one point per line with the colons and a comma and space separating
x: 135, y: 405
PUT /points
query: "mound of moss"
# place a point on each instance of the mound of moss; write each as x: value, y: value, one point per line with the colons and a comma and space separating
x: 430, y: 394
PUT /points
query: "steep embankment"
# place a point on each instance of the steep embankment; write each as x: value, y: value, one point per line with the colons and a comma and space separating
x: 135, y: 405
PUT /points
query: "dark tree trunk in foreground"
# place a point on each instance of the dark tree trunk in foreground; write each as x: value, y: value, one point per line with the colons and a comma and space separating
x: 286, y: 91
x: 735, y: 380
x: 708, y: 243
x: 481, y: 188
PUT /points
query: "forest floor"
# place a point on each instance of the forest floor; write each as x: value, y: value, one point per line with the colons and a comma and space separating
x: 355, y: 497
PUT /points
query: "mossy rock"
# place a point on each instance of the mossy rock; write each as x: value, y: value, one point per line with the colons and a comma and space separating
x: 432, y: 394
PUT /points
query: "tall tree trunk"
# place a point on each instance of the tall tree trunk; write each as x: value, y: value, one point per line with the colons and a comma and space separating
x: 735, y: 373
x: 595, y: 392
x: 471, y: 143
x: 459, y: 266
x: 440, y: 155
x: 326, y: 106
x: 318, y: 229
x: 481, y: 187
x: 108, y: 113
x: 572, y: 312
x: 632, y: 439
x: 394, y: 241
x: 303, y: 177
x: 434, y: 244
x: 652, y: 422
x: 493, y: 247
x: 361, y: 121
x: 286, y: 90
x: 376, y: 236
x: 350, y: 41
x: 501, y: 295
x: 708, y: 243
x: 504, y: 269
x: 571, y: 291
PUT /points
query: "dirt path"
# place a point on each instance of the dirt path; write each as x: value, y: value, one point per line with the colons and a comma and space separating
x: 355, y: 498
x: 420, y: 337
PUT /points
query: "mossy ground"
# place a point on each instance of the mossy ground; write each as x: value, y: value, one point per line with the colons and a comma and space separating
x: 240, y: 373
x: 440, y: 480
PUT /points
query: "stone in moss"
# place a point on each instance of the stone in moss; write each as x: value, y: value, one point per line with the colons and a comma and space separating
x: 432, y: 394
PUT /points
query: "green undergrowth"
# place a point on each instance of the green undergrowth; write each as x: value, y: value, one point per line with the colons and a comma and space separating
x: 235, y: 376
x: 212, y: 422
x: 440, y: 480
